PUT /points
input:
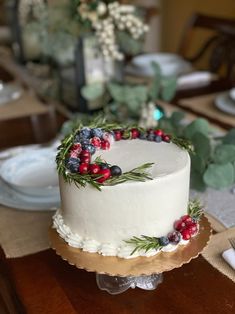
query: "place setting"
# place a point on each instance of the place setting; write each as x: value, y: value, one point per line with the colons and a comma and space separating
x: 225, y: 102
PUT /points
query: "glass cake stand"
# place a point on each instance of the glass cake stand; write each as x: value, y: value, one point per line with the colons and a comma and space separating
x: 116, y: 285
x: 116, y: 275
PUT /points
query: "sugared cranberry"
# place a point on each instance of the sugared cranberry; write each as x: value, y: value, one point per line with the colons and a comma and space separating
x: 158, y: 132
x: 96, y: 141
x: 105, y: 145
x: 174, y: 237
x: 76, y: 146
x: 185, y: 234
x: 135, y: 133
x: 94, y: 168
x: 105, y: 174
x: 118, y: 135
x: 179, y: 225
x: 83, y: 168
x: 193, y: 228
x: 73, y: 154
x: 187, y: 219
x: 166, y: 138
x: 85, y: 160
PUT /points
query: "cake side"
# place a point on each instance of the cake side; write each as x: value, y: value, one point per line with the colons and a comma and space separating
x: 101, y: 221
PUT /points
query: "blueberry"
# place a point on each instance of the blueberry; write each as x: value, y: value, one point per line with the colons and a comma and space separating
x: 115, y: 171
x: 84, y: 142
x: 158, y: 139
x: 85, y: 133
x: 91, y: 148
x: 163, y: 241
x: 143, y: 136
x: 97, y: 132
x: 151, y: 137
x: 103, y: 165
x: 72, y: 164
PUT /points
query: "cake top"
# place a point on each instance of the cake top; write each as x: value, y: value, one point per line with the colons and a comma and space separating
x: 110, y: 154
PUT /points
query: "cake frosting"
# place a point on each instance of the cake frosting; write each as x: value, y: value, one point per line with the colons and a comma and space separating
x: 101, y: 221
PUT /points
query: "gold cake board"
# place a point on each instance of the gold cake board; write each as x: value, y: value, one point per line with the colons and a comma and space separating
x: 139, y: 266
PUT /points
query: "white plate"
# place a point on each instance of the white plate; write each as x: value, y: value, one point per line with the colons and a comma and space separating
x: 32, y: 173
x: 232, y: 94
x: 170, y: 64
x: 224, y: 103
x: 9, y: 197
x: 9, y: 92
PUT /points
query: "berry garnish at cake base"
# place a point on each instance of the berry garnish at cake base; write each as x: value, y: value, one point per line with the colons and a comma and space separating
x: 122, y: 187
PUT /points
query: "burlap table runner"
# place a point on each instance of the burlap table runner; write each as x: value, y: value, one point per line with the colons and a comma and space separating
x: 204, y: 105
x: 27, y: 105
x: 24, y: 232
x: 213, y: 252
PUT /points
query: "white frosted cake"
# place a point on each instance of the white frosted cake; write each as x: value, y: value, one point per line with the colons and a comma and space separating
x: 108, y: 221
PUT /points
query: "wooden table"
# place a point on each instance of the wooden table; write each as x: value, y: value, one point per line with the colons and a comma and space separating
x: 43, y: 283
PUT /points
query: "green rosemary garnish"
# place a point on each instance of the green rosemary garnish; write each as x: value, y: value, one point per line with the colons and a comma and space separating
x: 136, y: 174
x: 144, y: 243
x: 195, y: 209
x: 183, y: 143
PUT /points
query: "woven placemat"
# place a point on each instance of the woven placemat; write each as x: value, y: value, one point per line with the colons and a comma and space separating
x: 213, y: 252
x: 24, y: 232
x: 204, y: 105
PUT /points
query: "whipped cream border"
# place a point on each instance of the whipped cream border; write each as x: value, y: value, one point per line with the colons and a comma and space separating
x: 105, y: 249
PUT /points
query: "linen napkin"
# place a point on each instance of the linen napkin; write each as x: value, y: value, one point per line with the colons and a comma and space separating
x: 229, y: 257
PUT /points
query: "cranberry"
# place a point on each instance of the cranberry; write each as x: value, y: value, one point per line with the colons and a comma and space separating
x: 193, y: 228
x: 179, y: 225
x: 105, y: 145
x: 95, y: 141
x: 85, y: 153
x: 105, y: 174
x: 94, y: 168
x: 118, y: 135
x: 83, y: 168
x: 166, y: 138
x: 185, y: 234
x: 158, y: 132
x: 187, y: 219
x: 85, y: 160
x: 135, y: 133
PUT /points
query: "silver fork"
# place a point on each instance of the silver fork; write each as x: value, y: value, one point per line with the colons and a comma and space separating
x: 232, y: 242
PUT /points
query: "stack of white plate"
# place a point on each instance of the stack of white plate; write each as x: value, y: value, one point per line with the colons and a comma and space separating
x: 30, y: 181
x: 226, y: 102
x: 170, y: 64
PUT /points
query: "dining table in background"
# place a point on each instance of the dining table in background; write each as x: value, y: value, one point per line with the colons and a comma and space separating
x: 43, y: 283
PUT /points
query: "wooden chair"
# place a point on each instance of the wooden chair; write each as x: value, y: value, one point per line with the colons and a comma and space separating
x: 219, y: 46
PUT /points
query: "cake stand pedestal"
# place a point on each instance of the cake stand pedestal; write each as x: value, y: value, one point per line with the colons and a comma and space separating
x: 117, y: 284
x: 116, y: 275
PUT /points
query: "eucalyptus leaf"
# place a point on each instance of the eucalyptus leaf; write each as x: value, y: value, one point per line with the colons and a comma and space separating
x: 154, y: 89
x: 135, y: 97
x: 219, y: 176
x: 201, y: 145
x: 224, y: 153
x: 117, y: 92
x: 229, y: 138
x: 128, y: 44
x: 196, y: 181
x: 92, y: 91
x: 198, y: 163
x: 197, y: 126
x: 168, y: 88
x: 156, y: 69
x: 177, y: 117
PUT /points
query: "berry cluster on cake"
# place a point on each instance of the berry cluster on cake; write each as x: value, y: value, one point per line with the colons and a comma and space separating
x: 124, y: 191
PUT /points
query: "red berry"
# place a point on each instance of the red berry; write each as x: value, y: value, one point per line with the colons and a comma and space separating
x: 83, y: 168
x: 179, y: 225
x: 85, y: 160
x: 187, y: 219
x: 118, y: 135
x: 85, y: 153
x: 185, y: 234
x: 105, y: 174
x: 135, y: 133
x: 158, y: 132
x: 105, y: 145
x: 94, y: 168
x: 193, y: 228
x: 77, y: 146
x: 95, y: 141
x: 166, y: 138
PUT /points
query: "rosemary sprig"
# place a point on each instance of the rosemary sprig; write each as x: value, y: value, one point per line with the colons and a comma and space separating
x: 144, y: 243
x: 195, y: 209
x: 136, y: 174
x: 183, y: 143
